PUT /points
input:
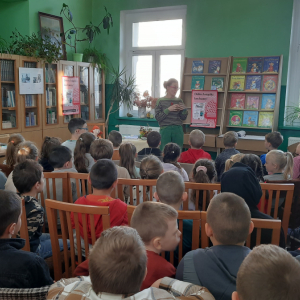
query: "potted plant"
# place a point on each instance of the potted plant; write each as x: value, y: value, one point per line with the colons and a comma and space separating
x: 4, y: 47
x: 90, y: 30
x: 96, y: 58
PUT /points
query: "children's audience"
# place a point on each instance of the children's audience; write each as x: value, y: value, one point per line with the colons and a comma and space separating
x: 19, y: 269
x: 254, y: 162
x: 230, y: 140
x: 153, y: 141
x: 296, y: 163
x: 116, y: 138
x: 76, y: 126
x: 228, y: 226
x: 128, y: 154
x: 268, y: 272
x: 48, y: 145
x: 196, y: 141
x: 232, y: 160
x: 83, y: 160
x: 171, y: 154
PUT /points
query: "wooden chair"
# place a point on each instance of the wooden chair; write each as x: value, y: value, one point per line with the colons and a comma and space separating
x: 83, y: 187
x: 130, y: 210
x: 188, y: 168
x: 259, y: 224
x: 24, y: 229
x: 65, y: 210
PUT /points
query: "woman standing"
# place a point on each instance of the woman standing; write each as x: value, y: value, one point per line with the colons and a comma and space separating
x: 170, y: 112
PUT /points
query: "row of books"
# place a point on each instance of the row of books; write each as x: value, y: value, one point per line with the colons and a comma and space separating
x: 251, y: 119
x: 50, y: 96
x: 214, y: 66
x: 242, y: 101
x: 7, y: 70
x: 30, y: 119
x: 83, y: 98
x: 217, y: 83
x: 8, y: 98
x: 50, y: 75
x: 51, y: 117
x: 30, y: 100
x: 254, y: 83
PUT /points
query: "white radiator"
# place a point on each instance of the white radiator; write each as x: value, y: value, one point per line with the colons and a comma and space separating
x: 293, y: 140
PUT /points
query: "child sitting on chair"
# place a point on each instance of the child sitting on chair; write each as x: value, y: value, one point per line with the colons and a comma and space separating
x: 153, y: 141
x: 116, y: 138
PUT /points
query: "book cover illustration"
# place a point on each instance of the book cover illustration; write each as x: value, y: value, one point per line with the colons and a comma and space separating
x: 197, y: 66
x: 239, y: 65
x: 268, y: 101
x: 217, y: 83
x: 235, y: 118
x: 214, y: 66
x: 197, y: 82
x: 237, y: 83
x: 270, y: 83
x: 252, y: 102
x: 265, y: 119
x: 253, y: 83
x: 250, y: 118
x: 238, y: 101
x: 271, y: 64
x: 254, y: 64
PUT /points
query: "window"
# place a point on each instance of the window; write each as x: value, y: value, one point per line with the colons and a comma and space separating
x: 152, y: 43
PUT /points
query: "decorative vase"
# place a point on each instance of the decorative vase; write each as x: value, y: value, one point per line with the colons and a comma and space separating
x: 77, y: 57
x: 142, y: 112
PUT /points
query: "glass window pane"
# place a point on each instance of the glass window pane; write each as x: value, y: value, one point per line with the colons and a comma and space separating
x: 170, y: 67
x: 97, y: 93
x: 157, y: 33
x: 84, y: 93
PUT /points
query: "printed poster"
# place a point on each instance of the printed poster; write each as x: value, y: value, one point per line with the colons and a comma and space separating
x: 71, y: 99
x: 204, y: 109
x: 31, y: 81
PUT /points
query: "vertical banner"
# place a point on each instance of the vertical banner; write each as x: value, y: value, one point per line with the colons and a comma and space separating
x: 204, y: 109
x: 71, y: 99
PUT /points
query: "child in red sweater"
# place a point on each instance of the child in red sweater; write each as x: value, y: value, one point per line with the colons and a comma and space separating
x: 196, y: 141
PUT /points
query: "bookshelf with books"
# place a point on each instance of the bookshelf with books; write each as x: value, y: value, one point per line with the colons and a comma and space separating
x: 98, y: 95
x: 84, y: 72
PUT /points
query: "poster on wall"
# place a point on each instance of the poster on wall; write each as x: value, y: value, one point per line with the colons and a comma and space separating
x: 204, y: 109
x: 31, y: 81
x: 71, y: 99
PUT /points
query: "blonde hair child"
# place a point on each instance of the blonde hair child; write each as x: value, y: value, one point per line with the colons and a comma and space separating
x: 232, y: 160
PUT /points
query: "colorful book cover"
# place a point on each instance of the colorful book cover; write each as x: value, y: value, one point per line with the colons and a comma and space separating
x: 254, y: 65
x: 253, y: 83
x: 197, y: 66
x: 217, y: 83
x: 268, y: 101
x: 265, y: 119
x: 238, y: 101
x: 271, y: 64
x: 252, y: 102
x: 235, y: 118
x: 270, y: 83
x: 237, y: 83
x: 214, y: 66
x: 250, y: 118
x: 239, y: 65
x: 197, y: 82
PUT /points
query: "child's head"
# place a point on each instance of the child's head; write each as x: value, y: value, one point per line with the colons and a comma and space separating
x: 77, y: 126
x: 13, y: 142
x: 232, y: 160
x: 27, y: 150
x: 156, y: 224
x: 228, y: 220
x: 153, y: 139
x: 28, y: 176
x: 48, y: 144
x: 171, y: 154
x: 150, y: 167
x: 278, y: 161
x: 197, y: 139
x: 82, y: 147
x: 170, y: 189
x: 254, y: 162
x: 273, y: 140
x: 118, y: 261
x: 127, y: 153
x: 268, y: 272
x: 116, y: 138
x: 230, y: 139
x: 103, y: 175
x: 10, y: 214
x: 61, y: 157
x: 101, y: 149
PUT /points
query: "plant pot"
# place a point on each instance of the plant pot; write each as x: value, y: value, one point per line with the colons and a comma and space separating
x: 77, y: 57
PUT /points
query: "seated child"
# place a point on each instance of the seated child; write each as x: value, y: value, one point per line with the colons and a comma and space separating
x: 156, y: 223
x: 118, y: 265
x: 29, y: 181
x: 296, y: 168
x: 127, y: 152
x: 19, y: 269
x: 254, y: 162
x: 196, y: 141
x: 48, y: 144
x: 228, y: 226
x: 171, y: 154
x: 268, y: 272
x: 116, y: 138
x: 232, y: 160
x: 76, y: 126
x: 153, y: 141
x: 230, y: 141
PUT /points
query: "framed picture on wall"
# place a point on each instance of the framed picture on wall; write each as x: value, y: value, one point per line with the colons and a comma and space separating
x: 53, y: 26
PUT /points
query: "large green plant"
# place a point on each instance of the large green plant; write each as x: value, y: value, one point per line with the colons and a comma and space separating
x: 292, y: 114
x: 90, y: 30
x: 96, y: 58
x: 4, y: 47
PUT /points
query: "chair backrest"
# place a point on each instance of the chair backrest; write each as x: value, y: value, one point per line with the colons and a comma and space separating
x: 130, y: 210
x: 204, y: 190
x: 88, y: 213
x: 83, y: 187
x: 259, y: 224
x: 188, y: 168
x: 24, y: 229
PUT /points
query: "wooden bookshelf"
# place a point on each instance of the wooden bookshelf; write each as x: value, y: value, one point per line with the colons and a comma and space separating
x: 98, y: 95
